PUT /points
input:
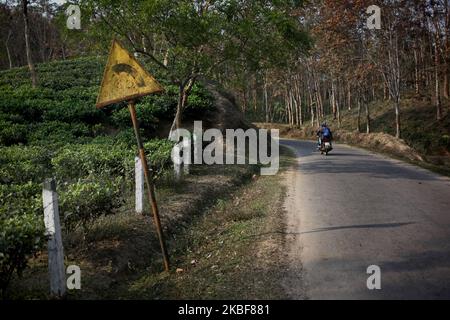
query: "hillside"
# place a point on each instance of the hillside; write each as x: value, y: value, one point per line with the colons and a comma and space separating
x: 56, y: 131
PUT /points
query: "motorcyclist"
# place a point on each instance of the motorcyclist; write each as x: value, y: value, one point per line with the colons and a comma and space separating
x: 324, y: 135
x: 319, y: 138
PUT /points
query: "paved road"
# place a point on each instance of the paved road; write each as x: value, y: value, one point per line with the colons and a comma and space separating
x: 353, y: 209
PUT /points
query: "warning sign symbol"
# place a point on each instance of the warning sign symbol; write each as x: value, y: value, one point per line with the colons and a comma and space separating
x: 124, y: 78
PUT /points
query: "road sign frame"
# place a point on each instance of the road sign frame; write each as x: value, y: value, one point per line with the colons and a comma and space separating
x: 147, y: 173
x: 128, y: 97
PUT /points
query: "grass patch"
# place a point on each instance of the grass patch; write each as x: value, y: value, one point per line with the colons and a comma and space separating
x: 217, y: 223
x: 231, y: 251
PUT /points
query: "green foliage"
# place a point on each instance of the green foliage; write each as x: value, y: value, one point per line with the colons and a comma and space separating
x: 108, y: 158
x: 145, y: 113
x: 20, y: 199
x: 21, y: 235
x: 62, y: 110
x: 82, y: 72
x: 84, y: 200
x: 57, y: 131
x: 12, y: 133
x: 151, y: 109
x: 159, y: 155
x: 445, y: 141
x: 81, y: 160
x: 20, y: 164
x: 21, y: 228
x: 125, y: 137
x: 199, y: 101
x: 203, y: 39
x: 90, y: 151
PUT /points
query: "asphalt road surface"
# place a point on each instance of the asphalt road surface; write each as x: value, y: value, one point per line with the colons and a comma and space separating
x: 352, y: 209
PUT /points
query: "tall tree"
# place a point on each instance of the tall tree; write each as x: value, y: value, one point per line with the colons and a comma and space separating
x: 190, y: 39
x: 27, y: 43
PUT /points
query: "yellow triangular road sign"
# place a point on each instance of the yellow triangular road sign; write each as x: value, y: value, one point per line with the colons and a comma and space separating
x: 124, y: 78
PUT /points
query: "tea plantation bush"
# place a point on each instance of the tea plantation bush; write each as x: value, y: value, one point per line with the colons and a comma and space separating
x: 21, y: 236
x: 21, y: 228
x: 83, y: 201
x: 56, y: 131
x: 21, y: 164
x: 81, y: 160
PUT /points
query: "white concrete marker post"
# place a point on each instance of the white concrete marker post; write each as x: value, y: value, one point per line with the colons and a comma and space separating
x: 55, y: 246
x: 139, y: 181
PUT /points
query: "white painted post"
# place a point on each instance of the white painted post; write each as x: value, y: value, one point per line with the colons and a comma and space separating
x: 55, y: 246
x: 139, y: 181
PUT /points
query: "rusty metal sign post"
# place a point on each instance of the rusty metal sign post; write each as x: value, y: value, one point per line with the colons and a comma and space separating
x: 125, y: 79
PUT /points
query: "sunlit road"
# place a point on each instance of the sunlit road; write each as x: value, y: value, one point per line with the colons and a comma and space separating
x: 352, y: 209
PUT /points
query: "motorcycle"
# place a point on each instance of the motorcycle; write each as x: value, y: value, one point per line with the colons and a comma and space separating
x: 325, y: 146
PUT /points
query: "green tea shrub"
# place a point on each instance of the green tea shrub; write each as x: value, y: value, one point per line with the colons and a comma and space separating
x: 87, y: 199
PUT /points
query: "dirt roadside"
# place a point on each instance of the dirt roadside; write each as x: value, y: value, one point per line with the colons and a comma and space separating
x: 234, y: 250
x: 226, y: 235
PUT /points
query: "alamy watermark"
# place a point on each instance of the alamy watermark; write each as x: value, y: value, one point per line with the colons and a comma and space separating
x: 236, y: 147
x: 74, y: 280
x: 73, y: 13
x: 374, y: 20
x: 374, y: 280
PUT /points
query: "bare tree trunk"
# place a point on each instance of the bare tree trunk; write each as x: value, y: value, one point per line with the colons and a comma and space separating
x: 333, y: 98
x: 422, y: 71
x: 397, y: 118
x: 374, y: 94
x: 27, y: 43
x: 317, y: 115
x: 366, y: 105
x: 255, y: 102
x: 266, y: 102
x: 349, y: 97
x: 311, y: 105
x: 288, y: 107
x: 397, y: 89
x: 392, y: 78
x: 338, y: 110
x: 8, y: 53
x: 183, y: 94
x: 298, y: 98
x: 436, y: 75
x: 294, y: 107
x: 416, y: 72
x: 319, y: 105
x: 363, y: 99
x: 447, y: 51
x: 358, y: 123
x: 244, y: 100
x: 63, y: 51
x: 437, y: 61
x: 446, y: 88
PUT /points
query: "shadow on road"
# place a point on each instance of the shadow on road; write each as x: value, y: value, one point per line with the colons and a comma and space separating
x: 361, y: 226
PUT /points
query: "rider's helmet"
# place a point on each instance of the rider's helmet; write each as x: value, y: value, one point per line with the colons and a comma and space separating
x: 324, y: 124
